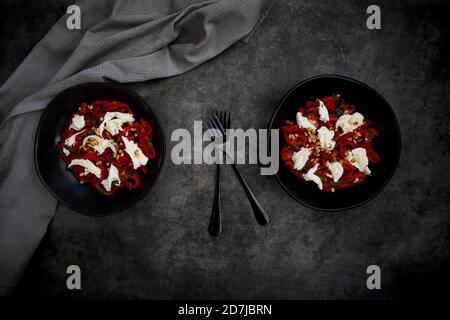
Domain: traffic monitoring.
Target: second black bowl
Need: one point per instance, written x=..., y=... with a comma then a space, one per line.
x=388, y=145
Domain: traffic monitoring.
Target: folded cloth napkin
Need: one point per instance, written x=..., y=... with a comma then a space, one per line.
x=119, y=40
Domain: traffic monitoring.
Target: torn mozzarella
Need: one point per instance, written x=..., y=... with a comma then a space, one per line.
x=336, y=169
x=77, y=122
x=88, y=166
x=113, y=122
x=358, y=158
x=310, y=176
x=135, y=153
x=100, y=144
x=300, y=158
x=113, y=177
x=66, y=152
x=323, y=112
x=304, y=122
x=326, y=138
x=349, y=122
x=71, y=140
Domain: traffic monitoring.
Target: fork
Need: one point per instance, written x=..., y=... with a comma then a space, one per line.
x=215, y=222
x=221, y=122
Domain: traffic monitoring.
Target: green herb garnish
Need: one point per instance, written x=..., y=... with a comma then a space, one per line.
x=339, y=111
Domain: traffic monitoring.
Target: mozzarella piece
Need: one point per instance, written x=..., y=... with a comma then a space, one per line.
x=101, y=144
x=66, y=152
x=113, y=176
x=71, y=140
x=304, y=122
x=135, y=153
x=323, y=112
x=310, y=176
x=336, y=169
x=88, y=166
x=300, y=158
x=349, y=122
x=358, y=158
x=113, y=122
x=326, y=138
x=77, y=123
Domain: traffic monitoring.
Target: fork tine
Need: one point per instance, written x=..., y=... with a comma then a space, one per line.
x=206, y=124
x=219, y=117
x=224, y=119
x=213, y=127
x=218, y=123
x=209, y=126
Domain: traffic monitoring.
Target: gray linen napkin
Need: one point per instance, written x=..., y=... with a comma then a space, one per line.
x=123, y=41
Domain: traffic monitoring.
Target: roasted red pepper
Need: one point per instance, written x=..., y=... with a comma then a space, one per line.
x=139, y=131
x=296, y=138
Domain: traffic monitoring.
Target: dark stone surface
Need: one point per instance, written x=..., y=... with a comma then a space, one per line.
x=160, y=249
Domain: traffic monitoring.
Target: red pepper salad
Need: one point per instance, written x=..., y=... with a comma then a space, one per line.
x=106, y=147
x=329, y=144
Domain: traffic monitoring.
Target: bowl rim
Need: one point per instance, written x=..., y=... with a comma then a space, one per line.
x=36, y=142
x=398, y=131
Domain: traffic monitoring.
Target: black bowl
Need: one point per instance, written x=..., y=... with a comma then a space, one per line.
x=51, y=168
x=388, y=145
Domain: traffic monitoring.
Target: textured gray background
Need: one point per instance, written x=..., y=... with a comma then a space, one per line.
x=161, y=248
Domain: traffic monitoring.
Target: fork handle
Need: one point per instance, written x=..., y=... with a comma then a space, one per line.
x=215, y=223
x=260, y=215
